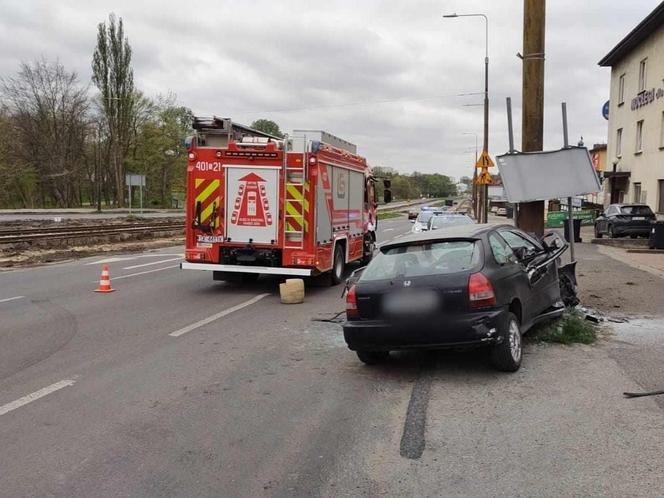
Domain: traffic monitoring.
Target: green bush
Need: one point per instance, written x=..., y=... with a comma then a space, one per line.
x=571, y=328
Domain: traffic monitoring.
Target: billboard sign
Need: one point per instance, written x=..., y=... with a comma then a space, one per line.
x=537, y=176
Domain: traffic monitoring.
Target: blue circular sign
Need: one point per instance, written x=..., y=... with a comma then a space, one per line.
x=605, y=110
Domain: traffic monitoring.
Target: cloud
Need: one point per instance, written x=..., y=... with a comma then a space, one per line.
x=385, y=75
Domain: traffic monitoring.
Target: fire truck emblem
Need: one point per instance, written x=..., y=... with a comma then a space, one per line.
x=251, y=207
x=341, y=186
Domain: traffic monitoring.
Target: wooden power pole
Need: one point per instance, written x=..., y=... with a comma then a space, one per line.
x=531, y=214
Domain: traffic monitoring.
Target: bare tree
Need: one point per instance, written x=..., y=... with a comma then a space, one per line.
x=113, y=76
x=48, y=109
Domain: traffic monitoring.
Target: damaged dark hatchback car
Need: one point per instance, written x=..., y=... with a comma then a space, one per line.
x=475, y=285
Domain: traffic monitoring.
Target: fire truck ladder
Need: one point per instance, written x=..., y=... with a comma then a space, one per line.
x=295, y=208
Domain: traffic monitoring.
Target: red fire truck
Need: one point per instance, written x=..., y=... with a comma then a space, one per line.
x=258, y=204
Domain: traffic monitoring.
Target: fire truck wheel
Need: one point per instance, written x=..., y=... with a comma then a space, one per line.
x=369, y=248
x=339, y=265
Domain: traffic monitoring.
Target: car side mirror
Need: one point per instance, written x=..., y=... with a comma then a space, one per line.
x=552, y=242
x=521, y=253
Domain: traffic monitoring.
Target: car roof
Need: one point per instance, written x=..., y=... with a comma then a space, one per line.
x=474, y=231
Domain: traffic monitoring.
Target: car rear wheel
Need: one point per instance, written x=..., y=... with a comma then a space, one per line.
x=372, y=357
x=507, y=355
x=598, y=234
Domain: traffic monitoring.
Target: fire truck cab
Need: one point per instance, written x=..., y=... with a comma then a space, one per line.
x=258, y=204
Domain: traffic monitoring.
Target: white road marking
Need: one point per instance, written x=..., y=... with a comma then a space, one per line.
x=11, y=299
x=129, y=258
x=110, y=260
x=217, y=316
x=35, y=396
x=388, y=229
x=141, y=273
x=152, y=263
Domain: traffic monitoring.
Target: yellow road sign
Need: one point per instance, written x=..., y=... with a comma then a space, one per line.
x=484, y=178
x=484, y=161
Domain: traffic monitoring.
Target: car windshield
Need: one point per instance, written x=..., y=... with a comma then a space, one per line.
x=638, y=210
x=448, y=221
x=424, y=216
x=425, y=258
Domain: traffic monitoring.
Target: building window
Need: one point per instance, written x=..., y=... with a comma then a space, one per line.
x=619, y=143
x=636, y=193
x=642, y=75
x=660, y=184
x=661, y=133
x=639, y=137
x=621, y=90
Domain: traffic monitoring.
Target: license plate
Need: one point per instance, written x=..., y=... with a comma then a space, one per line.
x=410, y=303
x=209, y=239
x=639, y=218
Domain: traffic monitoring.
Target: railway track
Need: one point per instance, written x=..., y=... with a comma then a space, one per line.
x=23, y=235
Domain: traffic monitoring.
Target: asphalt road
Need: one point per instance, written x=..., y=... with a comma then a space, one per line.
x=175, y=385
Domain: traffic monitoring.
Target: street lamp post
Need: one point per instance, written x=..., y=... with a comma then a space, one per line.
x=485, y=148
x=474, y=175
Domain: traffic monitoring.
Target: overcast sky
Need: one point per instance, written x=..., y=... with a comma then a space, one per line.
x=384, y=75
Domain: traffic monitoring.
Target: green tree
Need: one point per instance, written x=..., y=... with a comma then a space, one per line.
x=19, y=180
x=157, y=151
x=267, y=126
x=113, y=76
x=47, y=118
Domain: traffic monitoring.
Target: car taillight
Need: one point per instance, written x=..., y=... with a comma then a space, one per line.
x=480, y=291
x=351, y=304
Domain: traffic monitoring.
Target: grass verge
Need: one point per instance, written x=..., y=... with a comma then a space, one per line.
x=570, y=329
x=389, y=214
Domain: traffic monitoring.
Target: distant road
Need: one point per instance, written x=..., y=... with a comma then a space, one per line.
x=88, y=214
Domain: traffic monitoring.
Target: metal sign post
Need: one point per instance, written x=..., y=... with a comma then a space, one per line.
x=135, y=181
x=570, y=208
x=129, y=187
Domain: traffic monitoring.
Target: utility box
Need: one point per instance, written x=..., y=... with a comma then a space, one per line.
x=656, y=240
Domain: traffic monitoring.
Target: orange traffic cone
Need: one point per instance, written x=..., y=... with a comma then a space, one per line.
x=104, y=281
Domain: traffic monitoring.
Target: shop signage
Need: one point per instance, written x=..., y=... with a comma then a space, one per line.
x=556, y=219
x=646, y=97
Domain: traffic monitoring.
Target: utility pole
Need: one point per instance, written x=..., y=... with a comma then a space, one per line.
x=530, y=216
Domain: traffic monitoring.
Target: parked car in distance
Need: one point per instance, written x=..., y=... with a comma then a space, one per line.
x=494, y=209
x=420, y=224
x=501, y=212
x=446, y=220
x=624, y=219
x=471, y=285
x=412, y=213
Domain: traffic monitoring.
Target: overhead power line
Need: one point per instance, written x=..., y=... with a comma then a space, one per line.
x=358, y=104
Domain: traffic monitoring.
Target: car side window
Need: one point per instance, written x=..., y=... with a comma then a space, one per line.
x=514, y=240
x=502, y=253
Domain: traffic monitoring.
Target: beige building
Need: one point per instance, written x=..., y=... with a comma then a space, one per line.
x=635, y=152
